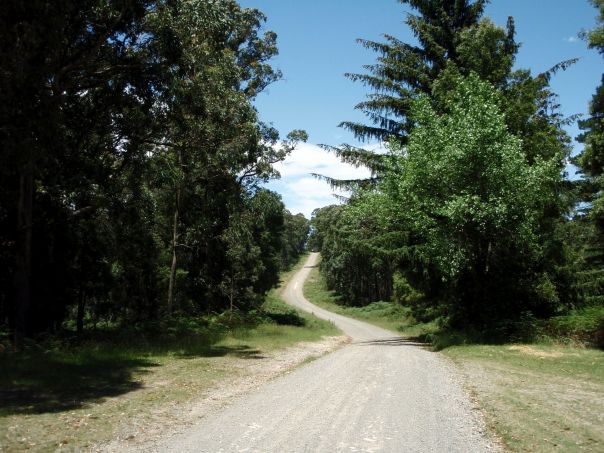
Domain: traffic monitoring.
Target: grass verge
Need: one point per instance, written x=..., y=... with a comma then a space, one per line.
x=56, y=397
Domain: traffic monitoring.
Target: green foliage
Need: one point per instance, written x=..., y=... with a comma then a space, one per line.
x=132, y=158
x=449, y=34
x=595, y=37
x=465, y=191
x=403, y=292
x=355, y=262
x=388, y=315
x=254, y=244
x=591, y=163
x=580, y=326
x=296, y=229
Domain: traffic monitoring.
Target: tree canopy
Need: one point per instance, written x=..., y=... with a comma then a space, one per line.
x=132, y=161
x=466, y=215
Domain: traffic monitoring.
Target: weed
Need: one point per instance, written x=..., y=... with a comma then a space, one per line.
x=585, y=325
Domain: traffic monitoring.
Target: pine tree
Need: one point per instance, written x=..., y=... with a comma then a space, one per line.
x=591, y=163
x=453, y=40
x=591, y=159
x=404, y=70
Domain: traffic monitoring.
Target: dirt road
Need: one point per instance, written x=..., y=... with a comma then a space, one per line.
x=379, y=394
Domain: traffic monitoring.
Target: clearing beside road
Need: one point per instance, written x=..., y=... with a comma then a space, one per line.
x=539, y=398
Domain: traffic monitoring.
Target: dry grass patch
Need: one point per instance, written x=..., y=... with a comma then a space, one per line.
x=538, y=398
x=532, y=351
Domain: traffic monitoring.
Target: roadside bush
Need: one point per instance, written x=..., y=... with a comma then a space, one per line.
x=585, y=325
x=289, y=317
x=599, y=335
x=403, y=292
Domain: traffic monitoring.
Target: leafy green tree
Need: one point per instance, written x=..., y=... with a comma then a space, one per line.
x=65, y=60
x=254, y=242
x=131, y=144
x=454, y=42
x=356, y=260
x=212, y=141
x=472, y=204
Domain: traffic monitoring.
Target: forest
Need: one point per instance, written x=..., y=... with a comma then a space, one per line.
x=133, y=162
x=160, y=291
x=132, y=184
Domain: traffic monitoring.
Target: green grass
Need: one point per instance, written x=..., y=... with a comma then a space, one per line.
x=581, y=326
x=387, y=315
x=60, y=394
x=268, y=336
x=538, y=398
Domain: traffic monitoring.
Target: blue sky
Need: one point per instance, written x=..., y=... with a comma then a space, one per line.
x=317, y=47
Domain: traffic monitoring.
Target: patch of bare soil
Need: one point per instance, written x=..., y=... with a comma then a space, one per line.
x=141, y=433
x=528, y=350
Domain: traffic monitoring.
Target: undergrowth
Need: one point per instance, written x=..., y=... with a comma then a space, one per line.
x=580, y=327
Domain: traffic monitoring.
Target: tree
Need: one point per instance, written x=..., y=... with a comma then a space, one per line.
x=294, y=238
x=591, y=163
x=472, y=204
x=454, y=42
x=62, y=60
x=208, y=124
x=130, y=145
x=591, y=159
x=448, y=32
x=212, y=141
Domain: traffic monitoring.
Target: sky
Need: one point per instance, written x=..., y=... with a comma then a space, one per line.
x=317, y=46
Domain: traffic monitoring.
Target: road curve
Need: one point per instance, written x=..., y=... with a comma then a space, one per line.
x=379, y=394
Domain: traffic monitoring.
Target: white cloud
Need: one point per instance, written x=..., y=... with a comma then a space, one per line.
x=308, y=158
x=303, y=193
x=571, y=39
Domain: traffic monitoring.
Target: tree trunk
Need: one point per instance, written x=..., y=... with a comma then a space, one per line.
x=172, y=281
x=174, y=259
x=23, y=255
x=232, y=299
x=80, y=316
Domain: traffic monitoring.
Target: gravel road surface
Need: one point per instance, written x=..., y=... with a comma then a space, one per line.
x=381, y=393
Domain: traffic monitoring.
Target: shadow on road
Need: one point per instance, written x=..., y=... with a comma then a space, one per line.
x=394, y=341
